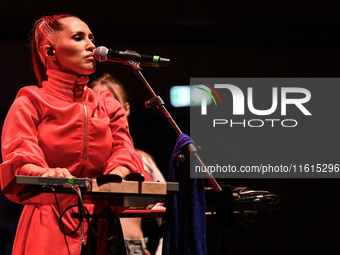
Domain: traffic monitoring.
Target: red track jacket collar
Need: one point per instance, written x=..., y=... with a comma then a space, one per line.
x=67, y=87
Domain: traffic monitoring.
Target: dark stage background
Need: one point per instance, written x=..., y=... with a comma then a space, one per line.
x=215, y=39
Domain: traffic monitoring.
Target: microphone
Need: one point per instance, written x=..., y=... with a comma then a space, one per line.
x=103, y=54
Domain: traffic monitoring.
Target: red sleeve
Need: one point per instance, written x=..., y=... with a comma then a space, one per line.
x=19, y=142
x=123, y=151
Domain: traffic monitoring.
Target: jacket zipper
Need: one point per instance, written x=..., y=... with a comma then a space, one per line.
x=82, y=244
x=85, y=113
x=85, y=136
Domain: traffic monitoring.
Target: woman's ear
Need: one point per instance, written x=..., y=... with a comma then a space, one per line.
x=127, y=109
x=49, y=50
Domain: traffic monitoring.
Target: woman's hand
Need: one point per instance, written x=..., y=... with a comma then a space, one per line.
x=33, y=170
x=122, y=171
x=57, y=172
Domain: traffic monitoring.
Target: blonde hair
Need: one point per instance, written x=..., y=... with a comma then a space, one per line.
x=106, y=79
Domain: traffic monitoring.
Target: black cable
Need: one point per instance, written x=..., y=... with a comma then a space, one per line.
x=62, y=225
x=96, y=233
x=83, y=213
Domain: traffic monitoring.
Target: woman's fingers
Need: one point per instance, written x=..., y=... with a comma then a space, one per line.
x=57, y=172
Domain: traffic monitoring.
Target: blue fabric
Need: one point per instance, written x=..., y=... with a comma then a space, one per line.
x=175, y=241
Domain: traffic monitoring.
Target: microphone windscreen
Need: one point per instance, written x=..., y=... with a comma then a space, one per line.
x=100, y=54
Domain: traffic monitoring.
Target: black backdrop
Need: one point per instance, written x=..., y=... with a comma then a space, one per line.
x=215, y=39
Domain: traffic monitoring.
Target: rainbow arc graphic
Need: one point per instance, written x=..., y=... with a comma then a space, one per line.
x=204, y=99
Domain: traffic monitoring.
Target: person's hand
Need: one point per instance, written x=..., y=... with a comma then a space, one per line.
x=57, y=172
x=33, y=170
x=122, y=171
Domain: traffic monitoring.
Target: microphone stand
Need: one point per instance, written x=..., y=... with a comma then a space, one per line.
x=156, y=101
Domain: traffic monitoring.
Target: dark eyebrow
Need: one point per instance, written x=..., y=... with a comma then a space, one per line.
x=78, y=32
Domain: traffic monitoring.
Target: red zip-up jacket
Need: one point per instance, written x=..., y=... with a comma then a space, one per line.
x=63, y=124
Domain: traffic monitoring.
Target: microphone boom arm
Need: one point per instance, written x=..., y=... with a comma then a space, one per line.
x=156, y=101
